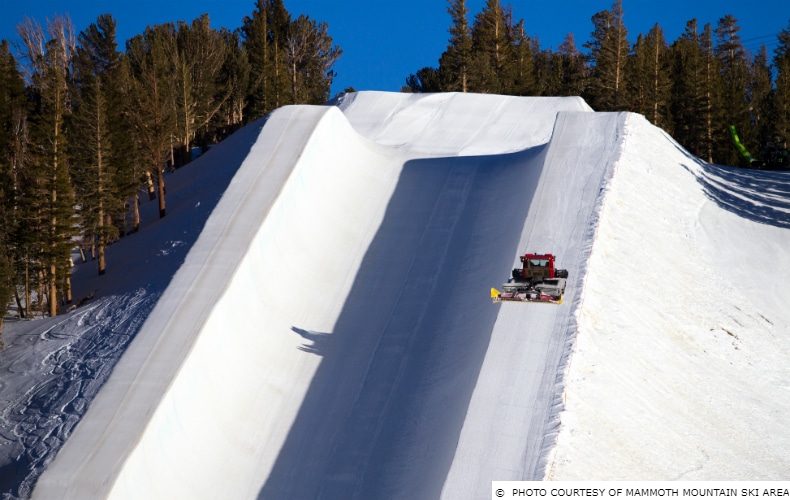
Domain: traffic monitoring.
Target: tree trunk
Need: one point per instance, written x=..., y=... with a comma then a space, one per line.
x=53, y=291
x=135, y=213
x=21, y=311
x=161, y=187
x=149, y=181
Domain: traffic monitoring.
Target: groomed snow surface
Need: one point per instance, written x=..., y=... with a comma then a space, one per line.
x=312, y=319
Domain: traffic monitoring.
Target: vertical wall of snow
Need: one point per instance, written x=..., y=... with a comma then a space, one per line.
x=218, y=366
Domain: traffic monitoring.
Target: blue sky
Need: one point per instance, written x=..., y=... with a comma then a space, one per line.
x=384, y=42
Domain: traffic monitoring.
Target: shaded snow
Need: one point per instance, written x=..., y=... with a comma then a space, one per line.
x=317, y=320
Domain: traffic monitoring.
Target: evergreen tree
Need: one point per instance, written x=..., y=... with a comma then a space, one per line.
x=688, y=89
x=571, y=68
x=609, y=51
x=781, y=101
x=12, y=121
x=48, y=191
x=199, y=58
x=490, y=49
x=234, y=79
x=425, y=80
x=648, y=77
x=711, y=103
x=457, y=59
x=265, y=34
x=522, y=78
x=309, y=57
x=92, y=144
x=126, y=151
x=153, y=112
x=759, y=96
x=731, y=58
x=547, y=66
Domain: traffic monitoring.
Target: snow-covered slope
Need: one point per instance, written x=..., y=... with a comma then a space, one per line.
x=329, y=333
x=318, y=312
x=681, y=363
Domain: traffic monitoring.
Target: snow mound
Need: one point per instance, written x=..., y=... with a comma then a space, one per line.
x=330, y=333
x=680, y=370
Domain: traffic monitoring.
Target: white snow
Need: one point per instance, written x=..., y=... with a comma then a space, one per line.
x=317, y=320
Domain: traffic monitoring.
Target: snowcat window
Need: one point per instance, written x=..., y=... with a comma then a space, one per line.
x=538, y=262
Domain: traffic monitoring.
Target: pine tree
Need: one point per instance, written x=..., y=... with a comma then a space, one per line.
x=309, y=58
x=48, y=190
x=199, y=59
x=265, y=34
x=648, y=77
x=548, y=69
x=687, y=89
x=781, y=101
x=571, y=68
x=457, y=59
x=490, y=50
x=609, y=49
x=731, y=57
x=12, y=120
x=425, y=80
x=93, y=166
x=759, y=96
x=150, y=59
x=522, y=78
x=234, y=80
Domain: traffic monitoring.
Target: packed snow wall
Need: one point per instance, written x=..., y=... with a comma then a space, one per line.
x=331, y=333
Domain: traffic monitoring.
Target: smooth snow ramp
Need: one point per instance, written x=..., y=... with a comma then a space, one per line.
x=512, y=419
x=330, y=333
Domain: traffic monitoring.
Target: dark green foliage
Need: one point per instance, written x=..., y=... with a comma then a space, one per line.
x=760, y=96
x=781, y=98
x=425, y=80
x=309, y=57
x=152, y=58
x=492, y=60
x=89, y=125
x=693, y=88
x=290, y=61
x=734, y=81
x=93, y=133
x=265, y=34
x=12, y=125
x=609, y=50
x=647, y=75
x=457, y=59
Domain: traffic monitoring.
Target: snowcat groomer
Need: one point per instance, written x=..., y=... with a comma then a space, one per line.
x=537, y=280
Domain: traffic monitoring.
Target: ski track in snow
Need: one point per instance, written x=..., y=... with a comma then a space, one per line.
x=33, y=426
x=54, y=367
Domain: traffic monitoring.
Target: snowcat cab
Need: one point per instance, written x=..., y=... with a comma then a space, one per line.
x=537, y=267
x=537, y=280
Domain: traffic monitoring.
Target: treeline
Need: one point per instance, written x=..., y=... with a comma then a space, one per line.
x=85, y=127
x=693, y=88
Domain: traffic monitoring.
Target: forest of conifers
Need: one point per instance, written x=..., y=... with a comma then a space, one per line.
x=693, y=88
x=87, y=126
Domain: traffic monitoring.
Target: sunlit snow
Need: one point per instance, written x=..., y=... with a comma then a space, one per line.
x=312, y=318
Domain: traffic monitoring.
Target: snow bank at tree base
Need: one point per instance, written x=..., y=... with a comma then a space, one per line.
x=330, y=332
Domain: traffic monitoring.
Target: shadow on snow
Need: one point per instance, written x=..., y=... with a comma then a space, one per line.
x=399, y=369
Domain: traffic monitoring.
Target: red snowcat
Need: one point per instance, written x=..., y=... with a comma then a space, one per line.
x=537, y=280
